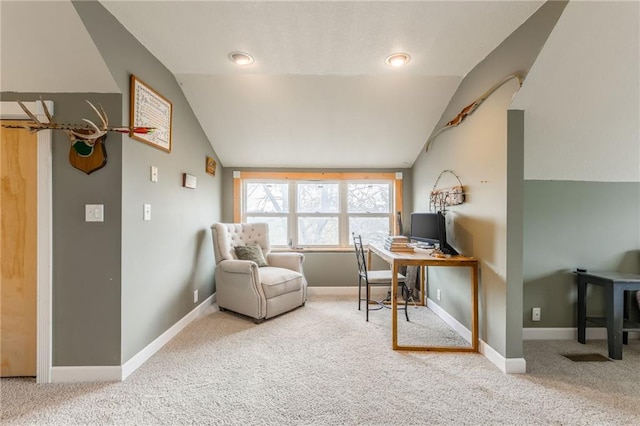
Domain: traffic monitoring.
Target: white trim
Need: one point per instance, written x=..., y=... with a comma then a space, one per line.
x=450, y=320
x=119, y=373
x=377, y=292
x=75, y=374
x=332, y=291
x=568, y=333
x=10, y=110
x=141, y=357
x=506, y=365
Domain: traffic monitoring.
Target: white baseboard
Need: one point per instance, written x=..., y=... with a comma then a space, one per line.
x=506, y=365
x=463, y=331
x=73, y=374
x=568, y=333
x=378, y=292
x=118, y=373
x=332, y=291
x=141, y=357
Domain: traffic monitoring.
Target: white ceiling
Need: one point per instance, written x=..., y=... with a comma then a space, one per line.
x=319, y=93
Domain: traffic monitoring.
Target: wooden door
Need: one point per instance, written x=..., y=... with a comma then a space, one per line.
x=18, y=232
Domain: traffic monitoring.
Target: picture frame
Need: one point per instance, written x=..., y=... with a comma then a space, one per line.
x=211, y=166
x=148, y=108
x=189, y=181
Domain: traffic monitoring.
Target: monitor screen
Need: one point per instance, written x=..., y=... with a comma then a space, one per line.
x=442, y=236
x=424, y=227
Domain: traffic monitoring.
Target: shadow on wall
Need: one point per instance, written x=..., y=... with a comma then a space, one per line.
x=630, y=262
x=557, y=295
x=468, y=230
x=191, y=283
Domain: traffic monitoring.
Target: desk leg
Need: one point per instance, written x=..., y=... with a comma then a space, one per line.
x=394, y=305
x=474, y=308
x=582, y=309
x=615, y=306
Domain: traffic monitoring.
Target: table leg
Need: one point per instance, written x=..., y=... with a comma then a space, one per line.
x=394, y=305
x=474, y=308
x=615, y=306
x=582, y=309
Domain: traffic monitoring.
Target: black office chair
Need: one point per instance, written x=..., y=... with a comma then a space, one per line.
x=376, y=278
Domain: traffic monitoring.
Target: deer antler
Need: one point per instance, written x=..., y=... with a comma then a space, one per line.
x=89, y=132
x=98, y=131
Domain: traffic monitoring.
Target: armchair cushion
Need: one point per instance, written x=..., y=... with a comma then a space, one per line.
x=253, y=253
x=279, y=281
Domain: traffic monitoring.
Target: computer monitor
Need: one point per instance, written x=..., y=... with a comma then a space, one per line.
x=424, y=228
x=442, y=236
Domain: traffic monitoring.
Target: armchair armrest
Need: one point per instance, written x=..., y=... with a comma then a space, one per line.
x=238, y=266
x=291, y=261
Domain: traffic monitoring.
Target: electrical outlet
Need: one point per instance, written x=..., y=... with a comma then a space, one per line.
x=146, y=215
x=535, y=314
x=195, y=296
x=154, y=174
x=438, y=294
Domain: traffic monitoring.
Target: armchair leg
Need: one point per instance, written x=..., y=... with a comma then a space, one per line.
x=258, y=320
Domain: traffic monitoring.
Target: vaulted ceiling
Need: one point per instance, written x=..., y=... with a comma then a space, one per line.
x=319, y=93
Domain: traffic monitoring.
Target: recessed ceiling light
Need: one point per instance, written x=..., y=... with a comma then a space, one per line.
x=398, y=59
x=240, y=58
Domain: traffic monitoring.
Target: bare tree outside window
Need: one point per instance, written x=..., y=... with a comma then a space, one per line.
x=320, y=213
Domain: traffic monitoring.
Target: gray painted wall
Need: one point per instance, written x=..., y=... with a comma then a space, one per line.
x=163, y=260
x=582, y=163
x=86, y=255
x=571, y=224
x=477, y=151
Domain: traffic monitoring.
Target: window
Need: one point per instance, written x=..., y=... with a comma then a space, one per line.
x=319, y=210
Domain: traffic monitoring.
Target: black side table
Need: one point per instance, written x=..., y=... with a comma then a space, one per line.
x=614, y=284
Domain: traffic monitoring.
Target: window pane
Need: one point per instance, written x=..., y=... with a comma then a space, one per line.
x=277, y=228
x=372, y=229
x=267, y=197
x=369, y=197
x=318, y=231
x=318, y=198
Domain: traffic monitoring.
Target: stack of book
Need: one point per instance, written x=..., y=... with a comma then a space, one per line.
x=397, y=243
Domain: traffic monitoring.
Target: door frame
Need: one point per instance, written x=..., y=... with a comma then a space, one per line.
x=12, y=111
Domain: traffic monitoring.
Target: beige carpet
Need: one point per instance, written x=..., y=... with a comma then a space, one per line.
x=323, y=365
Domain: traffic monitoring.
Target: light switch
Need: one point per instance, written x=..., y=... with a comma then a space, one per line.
x=94, y=212
x=147, y=212
x=154, y=174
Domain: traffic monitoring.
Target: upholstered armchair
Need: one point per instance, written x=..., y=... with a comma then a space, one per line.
x=243, y=286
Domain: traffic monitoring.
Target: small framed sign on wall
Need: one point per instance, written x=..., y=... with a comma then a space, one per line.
x=149, y=108
x=211, y=166
x=188, y=181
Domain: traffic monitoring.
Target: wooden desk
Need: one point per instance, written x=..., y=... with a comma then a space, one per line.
x=424, y=258
x=614, y=284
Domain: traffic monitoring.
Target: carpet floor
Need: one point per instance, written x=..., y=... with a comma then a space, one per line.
x=323, y=364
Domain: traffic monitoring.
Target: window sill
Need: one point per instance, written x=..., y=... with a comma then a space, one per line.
x=312, y=250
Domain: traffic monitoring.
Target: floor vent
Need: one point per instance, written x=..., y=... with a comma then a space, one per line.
x=586, y=357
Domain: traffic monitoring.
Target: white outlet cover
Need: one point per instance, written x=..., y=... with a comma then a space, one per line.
x=94, y=212
x=146, y=212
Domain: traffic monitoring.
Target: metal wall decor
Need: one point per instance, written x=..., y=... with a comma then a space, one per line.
x=441, y=198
